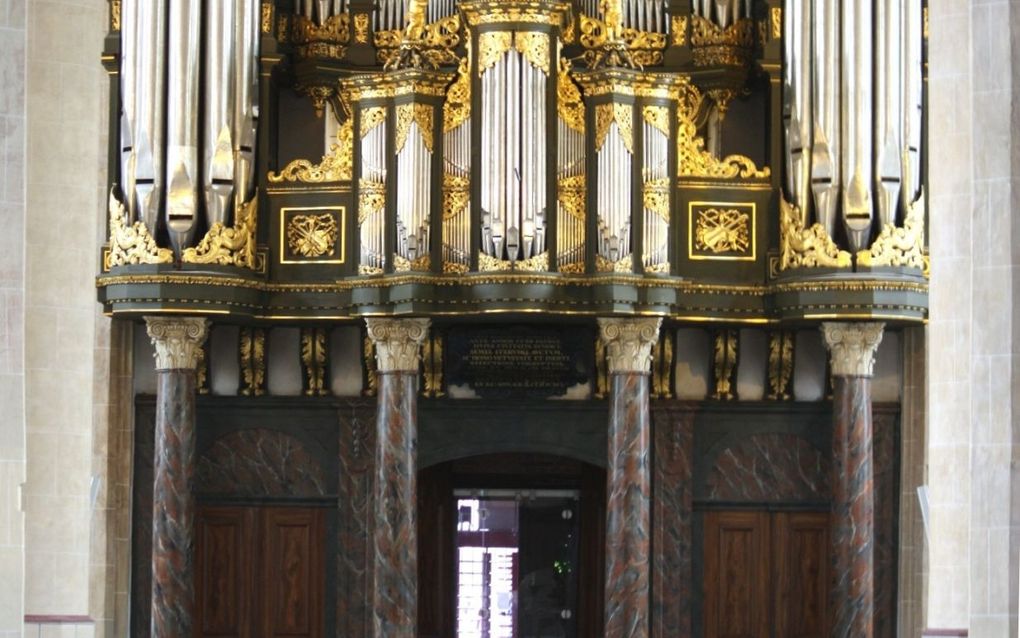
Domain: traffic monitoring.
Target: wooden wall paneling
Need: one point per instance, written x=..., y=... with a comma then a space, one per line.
x=223, y=579
x=293, y=579
x=800, y=574
x=736, y=576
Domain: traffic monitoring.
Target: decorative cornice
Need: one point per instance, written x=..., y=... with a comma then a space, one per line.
x=178, y=341
x=629, y=343
x=398, y=343
x=852, y=347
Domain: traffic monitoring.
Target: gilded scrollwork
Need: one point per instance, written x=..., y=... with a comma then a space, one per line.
x=722, y=230
x=623, y=115
x=678, y=29
x=371, y=198
x=131, y=243
x=801, y=247
x=569, y=104
x=419, y=44
x=538, y=263
x=693, y=160
x=571, y=193
x=372, y=117
x=657, y=117
x=252, y=354
x=457, y=107
x=780, y=365
x=335, y=166
x=403, y=264
x=315, y=361
x=456, y=195
x=713, y=45
x=622, y=266
x=229, y=246
x=776, y=15
x=328, y=40
x=312, y=235
x=491, y=47
x=479, y=12
x=361, y=28
x=534, y=46
x=267, y=17
x=656, y=197
x=899, y=246
x=724, y=371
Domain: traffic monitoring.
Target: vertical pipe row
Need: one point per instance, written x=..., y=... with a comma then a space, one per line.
x=912, y=106
x=148, y=140
x=182, y=121
x=826, y=97
x=857, y=122
x=217, y=133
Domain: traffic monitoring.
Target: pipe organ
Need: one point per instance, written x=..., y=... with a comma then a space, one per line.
x=501, y=155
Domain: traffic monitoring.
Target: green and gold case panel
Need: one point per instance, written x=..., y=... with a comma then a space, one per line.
x=721, y=232
x=311, y=234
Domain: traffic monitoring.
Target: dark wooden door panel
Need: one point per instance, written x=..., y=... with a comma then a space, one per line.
x=736, y=575
x=222, y=577
x=801, y=554
x=291, y=590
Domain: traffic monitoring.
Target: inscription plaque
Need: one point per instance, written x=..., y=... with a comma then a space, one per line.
x=519, y=361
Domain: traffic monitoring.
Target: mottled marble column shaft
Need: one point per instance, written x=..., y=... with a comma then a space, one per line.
x=628, y=508
x=852, y=348
x=394, y=531
x=853, y=509
x=629, y=489
x=173, y=505
x=395, y=540
x=177, y=343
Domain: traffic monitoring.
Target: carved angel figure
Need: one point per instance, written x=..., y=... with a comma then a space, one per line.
x=415, y=29
x=612, y=15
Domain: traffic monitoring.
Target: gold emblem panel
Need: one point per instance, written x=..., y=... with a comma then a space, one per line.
x=722, y=231
x=313, y=235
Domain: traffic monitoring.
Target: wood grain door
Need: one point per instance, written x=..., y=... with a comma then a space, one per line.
x=766, y=575
x=260, y=572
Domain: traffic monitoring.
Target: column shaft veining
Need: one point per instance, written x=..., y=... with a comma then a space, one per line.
x=852, y=348
x=177, y=343
x=395, y=534
x=628, y=508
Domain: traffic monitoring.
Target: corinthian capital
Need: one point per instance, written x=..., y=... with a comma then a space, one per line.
x=852, y=347
x=629, y=343
x=397, y=343
x=178, y=341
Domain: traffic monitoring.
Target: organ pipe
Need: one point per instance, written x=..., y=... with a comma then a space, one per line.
x=149, y=42
x=217, y=129
x=912, y=101
x=182, y=121
x=825, y=165
x=857, y=122
x=246, y=96
x=128, y=67
x=888, y=113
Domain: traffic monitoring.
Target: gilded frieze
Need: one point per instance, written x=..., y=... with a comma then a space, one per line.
x=229, y=246
x=713, y=45
x=328, y=40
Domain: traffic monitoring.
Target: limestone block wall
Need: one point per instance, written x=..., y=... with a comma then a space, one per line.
x=12, y=301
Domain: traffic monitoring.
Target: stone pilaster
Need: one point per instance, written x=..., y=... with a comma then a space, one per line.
x=394, y=537
x=852, y=349
x=629, y=345
x=178, y=345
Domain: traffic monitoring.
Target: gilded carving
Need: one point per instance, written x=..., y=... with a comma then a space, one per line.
x=229, y=246
x=361, y=28
x=420, y=114
x=569, y=103
x=629, y=343
x=456, y=195
x=131, y=244
x=601, y=369
x=852, y=347
x=432, y=370
x=405, y=115
x=724, y=371
x=371, y=198
x=403, y=264
x=656, y=197
x=801, y=247
x=622, y=265
x=571, y=194
x=202, y=369
x=693, y=160
x=312, y=235
x=419, y=44
x=897, y=246
x=267, y=17
x=662, y=367
x=491, y=47
x=457, y=106
x=335, y=166
x=503, y=12
x=371, y=375
x=678, y=29
x=722, y=230
x=252, y=354
x=713, y=45
x=115, y=15
x=777, y=22
x=177, y=341
x=608, y=44
x=623, y=115
x=780, y=365
x=537, y=263
x=657, y=117
x=372, y=117
x=315, y=361
x=327, y=40
x=398, y=343
x=534, y=46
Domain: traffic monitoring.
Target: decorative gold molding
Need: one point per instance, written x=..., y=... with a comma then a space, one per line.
x=780, y=365
x=432, y=370
x=361, y=21
x=801, y=247
x=115, y=15
x=328, y=40
x=714, y=46
x=491, y=47
x=252, y=354
x=403, y=264
x=371, y=117
x=693, y=160
x=369, y=372
x=722, y=230
x=335, y=166
x=479, y=12
x=233, y=246
x=897, y=246
x=267, y=18
x=537, y=263
x=131, y=244
x=724, y=371
x=315, y=361
x=569, y=103
x=776, y=14
x=678, y=29
x=620, y=266
x=457, y=106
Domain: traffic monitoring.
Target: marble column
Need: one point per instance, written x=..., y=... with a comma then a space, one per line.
x=852, y=350
x=394, y=535
x=628, y=492
x=178, y=345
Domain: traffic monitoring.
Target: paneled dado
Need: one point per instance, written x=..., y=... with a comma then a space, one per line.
x=707, y=456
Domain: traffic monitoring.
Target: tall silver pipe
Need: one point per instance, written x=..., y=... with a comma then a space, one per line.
x=825, y=152
x=912, y=106
x=857, y=122
x=182, y=121
x=888, y=115
x=128, y=85
x=217, y=134
x=246, y=96
x=148, y=139
x=797, y=101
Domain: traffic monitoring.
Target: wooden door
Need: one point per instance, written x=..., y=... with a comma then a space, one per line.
x=259, y=572
x=766, y=575
x=736, y=575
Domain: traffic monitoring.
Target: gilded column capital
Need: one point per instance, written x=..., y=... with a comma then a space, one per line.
x=398, y=342
x=177, y=340
x=629, y=343
x=852, y=347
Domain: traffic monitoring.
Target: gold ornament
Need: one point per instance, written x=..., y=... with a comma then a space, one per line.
x=899, y=246
x=725, y=369
x=692, y=158
x=131, y=244
x=656, y=197
x=252, y=351
x=371, y=198
x=312, y=235
x=571, y=193
x=719, y=230
x=456, y=195
x=801, y=247
x=457, y=107
x=491, y=47
x=569, y=104
x=678, y=29
x=534, y=46
x=714, y=46
x=780, y=365
x=234, y=246
x=315, y=361
x=371, y=118
x=361, y=28
x=336, y=165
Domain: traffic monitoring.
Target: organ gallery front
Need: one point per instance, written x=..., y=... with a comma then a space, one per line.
x=516, y=318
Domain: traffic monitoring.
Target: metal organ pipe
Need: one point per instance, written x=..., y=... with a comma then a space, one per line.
x=797, y=100
x=246, y=96
x=912, y=101
x=825, y=164
x=182, y=121
x=217, y=133
x=128, y=68
x=888, y=116
x=857, y=122
x=148, y=141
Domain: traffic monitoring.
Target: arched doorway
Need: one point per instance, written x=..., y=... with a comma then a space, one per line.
x=511, y=545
